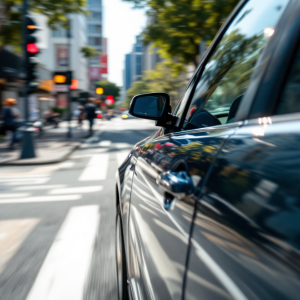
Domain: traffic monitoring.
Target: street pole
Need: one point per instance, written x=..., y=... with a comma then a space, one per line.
x=27, y=139
x=69, y=134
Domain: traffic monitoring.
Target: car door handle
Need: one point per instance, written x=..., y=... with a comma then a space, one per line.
x=175, y=184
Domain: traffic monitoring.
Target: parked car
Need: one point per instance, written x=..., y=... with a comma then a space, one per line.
x=208, y=207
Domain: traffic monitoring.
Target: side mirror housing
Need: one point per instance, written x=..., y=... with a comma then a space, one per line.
x=153, y=106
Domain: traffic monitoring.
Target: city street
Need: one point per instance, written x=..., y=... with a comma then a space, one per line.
x=57, y=221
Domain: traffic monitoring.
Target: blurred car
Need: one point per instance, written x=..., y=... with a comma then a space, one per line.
x=208, y=206
x=126, y=115
x=99, y=114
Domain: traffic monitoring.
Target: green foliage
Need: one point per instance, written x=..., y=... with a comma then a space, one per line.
x=89, y=51
x=162, y=79
x=55, y=10
x=138, y=87
x=180, y=25
x=109, y=88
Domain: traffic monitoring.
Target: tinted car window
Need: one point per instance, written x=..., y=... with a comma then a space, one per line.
x=228, y=71
x=290, y=99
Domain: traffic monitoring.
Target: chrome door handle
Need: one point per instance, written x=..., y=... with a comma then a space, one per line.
x=177, y=184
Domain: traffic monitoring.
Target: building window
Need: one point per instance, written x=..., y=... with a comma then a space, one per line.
x=138, y=49
x=61, y=31
x=94, y=28
x=95, y=15
x=94, y=2
x=94, y=41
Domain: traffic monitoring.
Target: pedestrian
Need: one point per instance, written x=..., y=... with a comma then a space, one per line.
x=9, y=116
x=90, y=114
x=80, y=115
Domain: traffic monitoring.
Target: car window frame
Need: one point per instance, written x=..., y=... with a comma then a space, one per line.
x=268, y=80
x=208, y=53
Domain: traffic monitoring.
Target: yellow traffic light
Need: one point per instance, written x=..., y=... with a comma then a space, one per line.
x=99, y=90
x=60, y=79
x=31, y=27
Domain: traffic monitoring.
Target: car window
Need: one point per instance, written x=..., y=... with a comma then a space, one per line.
x=226, y=75
x=290, y=98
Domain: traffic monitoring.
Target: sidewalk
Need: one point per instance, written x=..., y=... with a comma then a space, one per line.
x=52, y=146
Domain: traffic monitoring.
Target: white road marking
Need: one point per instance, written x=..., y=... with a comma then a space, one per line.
x=121, y=156
x=77, y=190
x=64, y=272
x=96, y=168
x=104, y=143
x=41, y=199
x=39, y=187
x=122, y=145
x=13, y=195
x=26, y=182
x=21, y=179
x=12, y=235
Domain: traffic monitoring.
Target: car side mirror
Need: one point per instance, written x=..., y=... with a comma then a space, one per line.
x=153, y=106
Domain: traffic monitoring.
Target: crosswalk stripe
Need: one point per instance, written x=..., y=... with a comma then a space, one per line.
x=77, y=190
x=39, y=187
x=64, y=272
x=13, y=195
x=26, y=182
x=96, y=168
x=121, y=156
x=104, y=143
x=40, y=199
x=12, y=235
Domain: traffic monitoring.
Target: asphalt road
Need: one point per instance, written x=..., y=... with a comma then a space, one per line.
x=57, y=222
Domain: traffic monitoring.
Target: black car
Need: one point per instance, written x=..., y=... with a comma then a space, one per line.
x=208, y=207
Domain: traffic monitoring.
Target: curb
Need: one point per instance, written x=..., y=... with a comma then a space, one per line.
x=25, y=162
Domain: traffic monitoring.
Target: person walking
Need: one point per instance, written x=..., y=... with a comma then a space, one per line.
x=9, y=116
x=80, y=115
x=90, y=114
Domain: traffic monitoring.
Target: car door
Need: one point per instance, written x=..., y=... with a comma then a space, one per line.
x=245, y=240
x=158, y=235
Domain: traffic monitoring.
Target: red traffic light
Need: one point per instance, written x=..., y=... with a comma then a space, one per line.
x=32, y=48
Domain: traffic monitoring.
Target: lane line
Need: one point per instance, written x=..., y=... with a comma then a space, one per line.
x=41, y=199
x=96, y=168
x=65, y=270
x=77, y=190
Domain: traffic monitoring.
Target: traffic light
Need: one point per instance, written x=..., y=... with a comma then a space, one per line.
x=62, y=77
x=99, y=91
x=31, y=51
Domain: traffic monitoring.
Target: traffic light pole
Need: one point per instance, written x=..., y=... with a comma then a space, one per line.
x=69, y=134
x=27, y=140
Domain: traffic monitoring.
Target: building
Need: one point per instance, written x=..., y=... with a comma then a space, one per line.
x=98, y=63
x=133, y=64
x=60, y=51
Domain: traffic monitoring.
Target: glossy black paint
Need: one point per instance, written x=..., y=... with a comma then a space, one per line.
x=248, y=218
x=236, y=234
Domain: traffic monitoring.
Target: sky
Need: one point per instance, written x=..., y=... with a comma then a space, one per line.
x=121, y=24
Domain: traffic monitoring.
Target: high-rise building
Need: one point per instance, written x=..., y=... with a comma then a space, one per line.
x=134, y=64
x=98, y=63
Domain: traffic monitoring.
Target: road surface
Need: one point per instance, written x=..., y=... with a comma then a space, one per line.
x=57, y=221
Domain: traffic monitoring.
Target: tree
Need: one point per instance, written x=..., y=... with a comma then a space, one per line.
x=55, y=11
x=109, y=88
x=89, y=51
x=138, y=87
x=162, y=79
x=180, y=25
